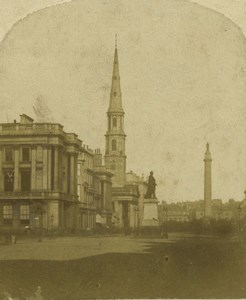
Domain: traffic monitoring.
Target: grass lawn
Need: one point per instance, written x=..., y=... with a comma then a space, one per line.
x=187, y=268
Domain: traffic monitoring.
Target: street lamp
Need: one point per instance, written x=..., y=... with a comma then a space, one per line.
x=38, y=226
x=165, y=219
x=52, y=224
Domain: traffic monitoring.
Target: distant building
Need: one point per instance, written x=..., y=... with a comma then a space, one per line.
x=88, y=189
x=141, y=184
x=104, y=207
x=194, y=210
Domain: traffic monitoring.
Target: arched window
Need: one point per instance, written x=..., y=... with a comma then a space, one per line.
x=114, y=122
x=113, y=145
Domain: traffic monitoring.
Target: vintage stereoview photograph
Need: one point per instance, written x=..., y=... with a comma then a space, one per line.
x=122, y=149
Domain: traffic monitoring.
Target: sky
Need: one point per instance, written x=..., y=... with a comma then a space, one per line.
x=182, y=72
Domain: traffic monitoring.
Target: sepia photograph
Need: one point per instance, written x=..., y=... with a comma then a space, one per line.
x=122, y=149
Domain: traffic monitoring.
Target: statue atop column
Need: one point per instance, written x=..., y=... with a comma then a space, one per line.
x=151, y=187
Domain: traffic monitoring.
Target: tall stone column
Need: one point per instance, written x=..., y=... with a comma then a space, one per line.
x=132, y=215
x=33, y=166
x=207, y=183
x=16, y=169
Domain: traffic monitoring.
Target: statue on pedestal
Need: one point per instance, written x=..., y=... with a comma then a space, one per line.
x=151, y=187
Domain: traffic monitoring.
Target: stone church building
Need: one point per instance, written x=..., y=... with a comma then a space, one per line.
x=125, y=194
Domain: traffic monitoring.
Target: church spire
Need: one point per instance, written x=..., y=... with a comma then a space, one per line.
x=115, y=104
x=115, y=157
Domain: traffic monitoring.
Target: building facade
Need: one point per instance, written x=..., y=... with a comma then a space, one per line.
x=94, y=190
x=38, y=175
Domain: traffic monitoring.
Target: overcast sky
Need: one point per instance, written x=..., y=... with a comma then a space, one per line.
x=182, y=75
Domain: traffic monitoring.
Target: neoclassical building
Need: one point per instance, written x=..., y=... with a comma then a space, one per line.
x=38, y=175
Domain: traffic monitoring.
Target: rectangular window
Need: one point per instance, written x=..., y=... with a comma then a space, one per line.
x=9, y=181
x=9, y=154
x=7, y=214
x=24, y=214
x=25, y=180
x=25, y=154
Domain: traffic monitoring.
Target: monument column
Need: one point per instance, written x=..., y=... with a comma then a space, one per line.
x=207, y=182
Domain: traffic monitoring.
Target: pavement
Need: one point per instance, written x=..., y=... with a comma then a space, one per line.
x=182, y=266
x=69, y=248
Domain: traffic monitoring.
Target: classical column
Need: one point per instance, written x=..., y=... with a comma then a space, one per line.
x=45, y=167
x=49, y=168
x=72, y=170
x=16, y=169
x=1, y=171
x=75, y=173
x=56, y=168
x=33, y=166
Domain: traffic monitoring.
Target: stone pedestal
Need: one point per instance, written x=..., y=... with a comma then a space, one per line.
x=150, y=213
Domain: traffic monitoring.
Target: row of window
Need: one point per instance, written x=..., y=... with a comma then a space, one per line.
x=24, y=213
x=9, y=154
x=25, y=182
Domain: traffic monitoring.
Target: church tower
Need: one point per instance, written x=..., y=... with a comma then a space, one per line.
x=115, y=158
x=207, y=183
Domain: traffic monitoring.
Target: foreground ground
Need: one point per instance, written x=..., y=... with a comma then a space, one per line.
x=123, y=267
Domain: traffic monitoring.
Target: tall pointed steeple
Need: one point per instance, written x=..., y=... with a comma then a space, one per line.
x=115, y=104
x=115, y=158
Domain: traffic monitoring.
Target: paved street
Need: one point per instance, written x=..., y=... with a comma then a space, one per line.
x=184, y=266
